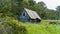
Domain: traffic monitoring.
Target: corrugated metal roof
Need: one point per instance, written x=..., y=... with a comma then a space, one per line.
x=32, y=14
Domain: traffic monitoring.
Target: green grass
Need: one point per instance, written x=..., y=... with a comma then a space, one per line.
x=42, y=28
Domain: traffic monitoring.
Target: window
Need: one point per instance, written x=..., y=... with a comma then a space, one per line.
x=23, y=14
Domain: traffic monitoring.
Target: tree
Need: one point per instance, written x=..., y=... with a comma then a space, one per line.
x=58, y=12
x=42, y=7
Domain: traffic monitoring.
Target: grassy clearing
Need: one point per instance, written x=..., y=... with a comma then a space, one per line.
x=42, y=28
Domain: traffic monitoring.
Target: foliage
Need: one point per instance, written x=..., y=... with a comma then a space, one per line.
x=13, y=8
x=12, y=26
x=9, y=26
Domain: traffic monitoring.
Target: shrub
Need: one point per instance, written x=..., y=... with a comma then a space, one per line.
x=12, y=26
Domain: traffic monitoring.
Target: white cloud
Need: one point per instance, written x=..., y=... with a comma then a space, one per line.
x=51, y=4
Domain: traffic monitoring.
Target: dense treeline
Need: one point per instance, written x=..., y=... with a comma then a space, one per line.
x=13, y=8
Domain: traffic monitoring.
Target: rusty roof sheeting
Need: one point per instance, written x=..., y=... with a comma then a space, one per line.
x=32, y=14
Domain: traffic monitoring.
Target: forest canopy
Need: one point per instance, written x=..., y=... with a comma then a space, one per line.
x=13, y=8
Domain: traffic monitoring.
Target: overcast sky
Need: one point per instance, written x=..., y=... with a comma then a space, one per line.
x=51, y=4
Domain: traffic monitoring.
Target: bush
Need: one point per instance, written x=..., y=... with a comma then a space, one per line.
x=12, y=26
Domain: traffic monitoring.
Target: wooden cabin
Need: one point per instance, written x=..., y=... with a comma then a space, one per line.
x=28, y=15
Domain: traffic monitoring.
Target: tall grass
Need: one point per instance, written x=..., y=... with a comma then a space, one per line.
x=42, y=28
x=32, y=28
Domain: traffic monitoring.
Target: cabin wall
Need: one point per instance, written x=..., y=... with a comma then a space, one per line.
x=35, y=20
x=24, y=18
